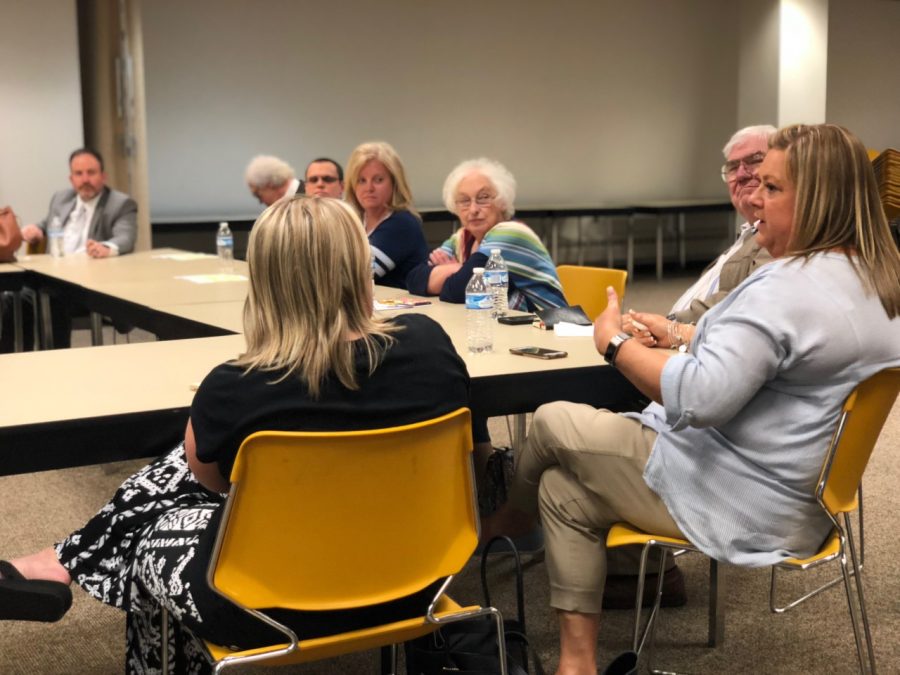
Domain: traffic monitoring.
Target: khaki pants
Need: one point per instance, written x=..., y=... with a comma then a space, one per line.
x=583, y=469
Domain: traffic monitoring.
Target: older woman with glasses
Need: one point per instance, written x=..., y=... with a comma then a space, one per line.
x=377, y=189
x=481, y=192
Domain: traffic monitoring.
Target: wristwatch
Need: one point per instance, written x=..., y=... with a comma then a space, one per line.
x=612, y=349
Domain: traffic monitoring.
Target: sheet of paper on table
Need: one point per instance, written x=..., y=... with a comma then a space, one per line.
x=564, y=329
x=182, y=257
x=400, y=303
x=212, y=278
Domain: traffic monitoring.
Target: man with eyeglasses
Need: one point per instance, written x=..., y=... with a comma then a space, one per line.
x=270, y=179
x=744, y=152
x=324, y=178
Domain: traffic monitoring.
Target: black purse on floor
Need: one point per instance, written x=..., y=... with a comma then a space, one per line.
x=470, y=647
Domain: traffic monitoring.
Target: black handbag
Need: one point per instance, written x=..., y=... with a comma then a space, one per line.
x=470, y=647
x=498, y=475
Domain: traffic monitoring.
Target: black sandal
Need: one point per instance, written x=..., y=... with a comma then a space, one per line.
x=24, y=599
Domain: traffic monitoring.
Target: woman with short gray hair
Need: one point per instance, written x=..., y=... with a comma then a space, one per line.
x=481, y=193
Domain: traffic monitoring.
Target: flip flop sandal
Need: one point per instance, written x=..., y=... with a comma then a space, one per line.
x=24, y=599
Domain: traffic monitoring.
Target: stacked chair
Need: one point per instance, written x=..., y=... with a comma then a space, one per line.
x=887, y=174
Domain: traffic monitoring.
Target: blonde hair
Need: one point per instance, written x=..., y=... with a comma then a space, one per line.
x=310, y=293
x=838, y=205
x=401, y=199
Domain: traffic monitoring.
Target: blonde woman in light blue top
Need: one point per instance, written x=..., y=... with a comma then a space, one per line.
x=729, y=451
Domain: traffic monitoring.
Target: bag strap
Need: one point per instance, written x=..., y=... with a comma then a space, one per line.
x=520, y=584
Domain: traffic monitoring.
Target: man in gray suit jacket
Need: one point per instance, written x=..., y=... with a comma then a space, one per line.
x=96, y=220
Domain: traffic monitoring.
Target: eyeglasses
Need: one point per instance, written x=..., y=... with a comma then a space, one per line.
x=484, y=199
x=322, y=179
x=750, y=162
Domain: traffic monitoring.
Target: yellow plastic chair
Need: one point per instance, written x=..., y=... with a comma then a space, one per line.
x=327, y=521
x=586, y=286
x=862, y=418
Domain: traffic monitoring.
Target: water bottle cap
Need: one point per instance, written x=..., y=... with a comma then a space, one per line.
x=495, y=250
x=478, y=270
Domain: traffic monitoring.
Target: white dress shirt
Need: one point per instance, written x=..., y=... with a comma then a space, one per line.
x=75, y=231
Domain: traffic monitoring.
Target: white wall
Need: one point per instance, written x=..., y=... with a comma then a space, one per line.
x=40, y=91
x=584, y=100
x=864, y=69
x=803, y=61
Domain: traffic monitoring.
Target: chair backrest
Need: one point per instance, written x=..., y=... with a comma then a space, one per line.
x=586, y=286
x=863, y=416
x=321, y=521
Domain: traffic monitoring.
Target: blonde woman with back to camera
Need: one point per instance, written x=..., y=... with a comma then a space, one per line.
x=316, y=359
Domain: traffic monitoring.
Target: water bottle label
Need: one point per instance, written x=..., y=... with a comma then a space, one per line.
x=225, y=241
x=479, y=301
x=496, y=277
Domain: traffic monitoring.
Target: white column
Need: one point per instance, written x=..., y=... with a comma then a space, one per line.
x=783, y=58
x=803, y=61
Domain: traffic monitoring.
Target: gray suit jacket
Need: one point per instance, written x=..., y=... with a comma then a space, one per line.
x=115, y=218
x=742, y=263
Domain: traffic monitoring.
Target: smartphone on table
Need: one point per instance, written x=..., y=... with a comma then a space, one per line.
x=517, y=319
x=538, y=352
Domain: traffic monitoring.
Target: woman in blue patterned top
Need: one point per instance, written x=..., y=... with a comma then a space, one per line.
x=481, y=192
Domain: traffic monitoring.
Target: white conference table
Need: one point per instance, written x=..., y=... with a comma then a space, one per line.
x=79, y=406
x=131, y=287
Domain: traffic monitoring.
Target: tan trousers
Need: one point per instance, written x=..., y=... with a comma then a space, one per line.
x=583, y=469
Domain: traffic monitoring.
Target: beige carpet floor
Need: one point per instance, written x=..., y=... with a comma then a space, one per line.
x=39, y=508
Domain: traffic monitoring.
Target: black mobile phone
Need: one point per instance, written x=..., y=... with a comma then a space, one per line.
x=538, y=352
x=517, y=320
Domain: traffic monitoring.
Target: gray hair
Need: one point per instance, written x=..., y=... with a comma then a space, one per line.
x=494, y=171
x=268, y=171
x=764, y=131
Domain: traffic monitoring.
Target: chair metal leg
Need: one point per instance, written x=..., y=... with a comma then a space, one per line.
x=716, y=596
x=388, y=660
x=834, y=582
x=96, y=329
x=164, y=640
x=46, y=321
x=861, y=598
x=18, y=333
x=501, y=641
x=519, y=432
x=862, y=532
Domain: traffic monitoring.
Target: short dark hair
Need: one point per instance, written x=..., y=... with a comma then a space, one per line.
x=340, y=169
x=87, y=151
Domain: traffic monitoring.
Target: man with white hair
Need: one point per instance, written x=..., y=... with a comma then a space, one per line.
x=270, y=179
x=744, y=152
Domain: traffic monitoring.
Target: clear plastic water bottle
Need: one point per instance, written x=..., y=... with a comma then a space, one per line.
x=55, y=237
x=479, y=306
x=225, y=245
x=497, y=278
